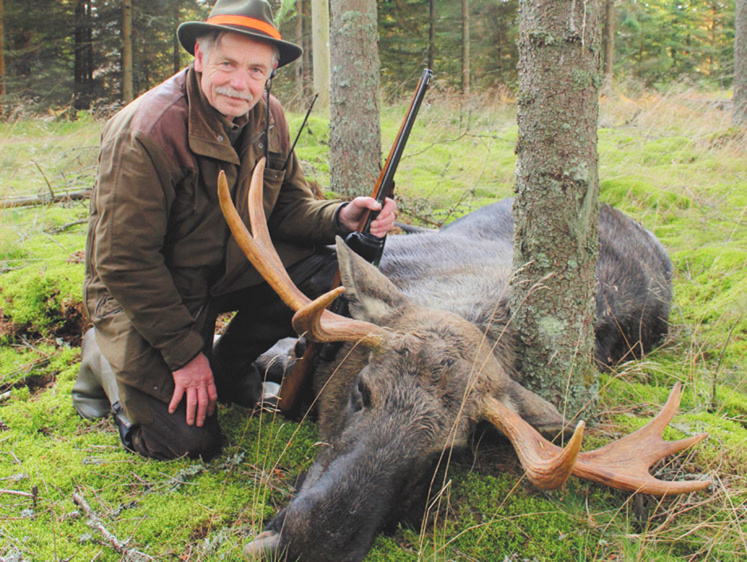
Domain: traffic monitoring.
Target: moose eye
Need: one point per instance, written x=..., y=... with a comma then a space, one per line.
x=360, y=396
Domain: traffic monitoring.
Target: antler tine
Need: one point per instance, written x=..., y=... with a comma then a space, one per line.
x=310, y=316
x=625, y=463
x=327, y=326
x=547, y=465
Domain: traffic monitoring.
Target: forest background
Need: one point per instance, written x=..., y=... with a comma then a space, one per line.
x=68, y=53
x=668, y=156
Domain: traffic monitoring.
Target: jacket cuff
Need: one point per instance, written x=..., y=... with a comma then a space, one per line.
x=341, y=229
x=182, y=352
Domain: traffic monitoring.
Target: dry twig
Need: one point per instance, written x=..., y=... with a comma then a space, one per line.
x=95, y=523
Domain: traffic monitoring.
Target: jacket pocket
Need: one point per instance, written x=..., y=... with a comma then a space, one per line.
x=106, y=307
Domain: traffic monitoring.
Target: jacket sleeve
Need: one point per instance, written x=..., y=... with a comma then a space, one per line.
x=298, y=216
x=134, y=194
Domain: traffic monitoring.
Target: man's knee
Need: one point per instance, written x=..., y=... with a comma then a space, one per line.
x=169, y=437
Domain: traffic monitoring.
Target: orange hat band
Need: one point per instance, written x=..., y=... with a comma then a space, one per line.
x=244, y=21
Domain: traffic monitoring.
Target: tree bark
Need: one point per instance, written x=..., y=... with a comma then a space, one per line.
x=176, y=47
x=431, y=32
x=465, y=47
x=299, y=68
x=609, y=41
x=320, y=45
x=83, y=55
x=127, y=88
x=739, y=111
x=354, y=131
x=308, y=78
x=2, y=53
x=556, y=207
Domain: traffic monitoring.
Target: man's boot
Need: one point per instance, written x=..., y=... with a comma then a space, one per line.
x=95, y=393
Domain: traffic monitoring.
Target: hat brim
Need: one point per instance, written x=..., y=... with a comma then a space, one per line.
x=189, y=31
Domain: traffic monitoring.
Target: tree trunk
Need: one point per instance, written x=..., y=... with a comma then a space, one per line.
x=320, y=44
x=127, y=90
x=177, y=48
x=83, y=55
x=739, y=111
x=609, y=42
x=308, y=78
x=556, y=206
x=465, y=47
x=354, y=132
x=299, y=69
x=2, y=54
x=431, y=32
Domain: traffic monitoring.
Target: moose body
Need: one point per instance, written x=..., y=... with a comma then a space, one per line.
x=433, y=355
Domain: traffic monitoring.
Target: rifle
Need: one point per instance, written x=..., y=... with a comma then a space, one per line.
x=361, y=241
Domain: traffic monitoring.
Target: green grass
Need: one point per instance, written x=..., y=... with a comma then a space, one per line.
x=672, y=162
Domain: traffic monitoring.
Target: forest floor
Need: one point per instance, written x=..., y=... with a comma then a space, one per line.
x=673, y=162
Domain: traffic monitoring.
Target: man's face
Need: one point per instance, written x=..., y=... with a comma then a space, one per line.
x=234, y=72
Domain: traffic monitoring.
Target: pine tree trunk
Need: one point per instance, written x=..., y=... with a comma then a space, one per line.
x=176, y=47
x=739, y=112
x=556, y=206
x=82, y=61
x=127, y=90
x=431, y=32
x=609, y=41
x=320, y=44
x=308, y=78
x=2, y=53
x=354, y=132
x=465, y=47
x=299, y=67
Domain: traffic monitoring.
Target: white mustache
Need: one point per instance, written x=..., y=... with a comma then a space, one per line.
x=230, y=92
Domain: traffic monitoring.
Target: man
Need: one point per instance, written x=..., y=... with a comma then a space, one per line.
x=160, y=261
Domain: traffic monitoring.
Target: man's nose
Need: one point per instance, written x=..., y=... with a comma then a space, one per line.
x=240, y=81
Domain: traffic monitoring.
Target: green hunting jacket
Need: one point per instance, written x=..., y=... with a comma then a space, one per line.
x=158, y=246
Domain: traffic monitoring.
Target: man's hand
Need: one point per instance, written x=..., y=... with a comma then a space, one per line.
x=195, y=380
x=351, y=214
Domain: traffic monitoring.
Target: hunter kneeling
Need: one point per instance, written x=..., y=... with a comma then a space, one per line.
x=160, y=263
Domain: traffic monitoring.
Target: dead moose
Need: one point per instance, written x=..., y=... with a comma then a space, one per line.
x=428, y=355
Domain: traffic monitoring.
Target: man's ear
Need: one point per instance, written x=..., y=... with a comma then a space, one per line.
x=199, y=56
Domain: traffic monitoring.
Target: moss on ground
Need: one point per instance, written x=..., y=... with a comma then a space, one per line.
x=677, y=167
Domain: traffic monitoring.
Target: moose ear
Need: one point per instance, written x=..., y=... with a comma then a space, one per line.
x=370, y=295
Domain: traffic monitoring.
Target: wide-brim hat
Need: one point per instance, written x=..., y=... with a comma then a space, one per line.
x=248, y=17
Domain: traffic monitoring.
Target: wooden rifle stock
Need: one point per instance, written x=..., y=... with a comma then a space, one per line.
x=361, y=241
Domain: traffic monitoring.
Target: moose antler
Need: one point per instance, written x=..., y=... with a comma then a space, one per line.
x=623, y=464
x=311, y=317
x=547, y=465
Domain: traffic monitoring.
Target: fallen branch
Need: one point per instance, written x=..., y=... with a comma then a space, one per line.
x=95, y=523
x=45, y=199
x=65, y=226
x=34, y=494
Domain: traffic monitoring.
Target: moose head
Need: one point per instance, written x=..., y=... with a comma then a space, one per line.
x=413, y=383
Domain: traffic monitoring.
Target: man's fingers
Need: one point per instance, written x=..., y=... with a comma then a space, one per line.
x=202, y=405
x=212, y=392
x=191, y=405
x=176, y=398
